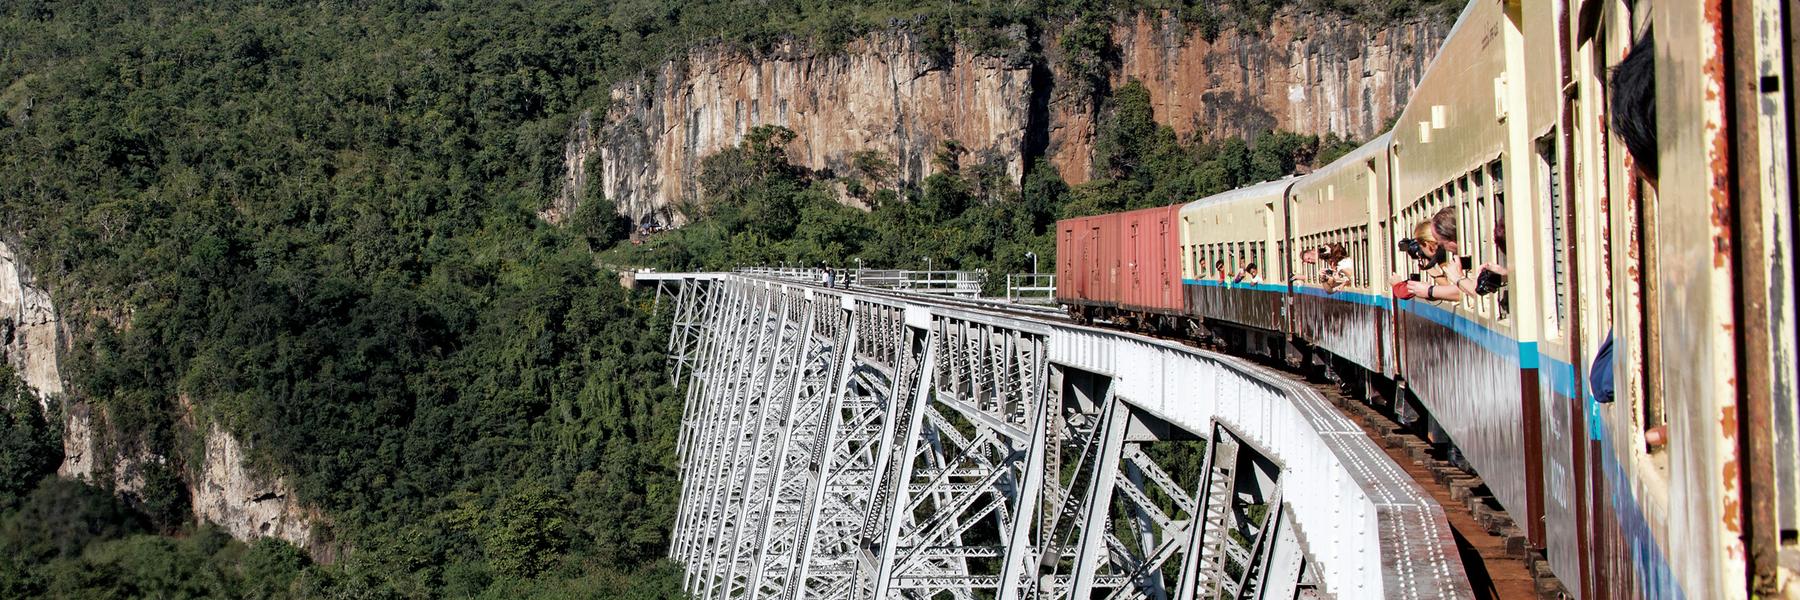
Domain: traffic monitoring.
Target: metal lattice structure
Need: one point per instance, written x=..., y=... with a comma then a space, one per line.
x=842, y=444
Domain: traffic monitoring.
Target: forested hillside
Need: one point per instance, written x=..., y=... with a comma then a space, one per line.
x=314, y=224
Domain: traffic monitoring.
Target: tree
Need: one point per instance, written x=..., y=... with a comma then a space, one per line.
x=30, y=446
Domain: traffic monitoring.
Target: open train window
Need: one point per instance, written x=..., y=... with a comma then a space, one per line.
x=1497, y=191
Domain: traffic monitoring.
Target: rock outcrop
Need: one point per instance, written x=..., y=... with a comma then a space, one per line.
x=1307, y=73
x=226, y=493
x=884, y=93
x=29, y=328
x=222, y=489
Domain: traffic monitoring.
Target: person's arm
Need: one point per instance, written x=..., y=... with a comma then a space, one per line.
x=1438, y=289
x=1433, y=291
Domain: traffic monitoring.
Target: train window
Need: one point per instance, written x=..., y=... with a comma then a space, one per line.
x=1497, y=189
x=1552, y=211
x=1273, y=271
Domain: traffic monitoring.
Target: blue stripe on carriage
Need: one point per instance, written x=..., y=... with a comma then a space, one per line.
x=1499, y=343
x=1646, y=554
x=1560, y=374
x=1260, y=287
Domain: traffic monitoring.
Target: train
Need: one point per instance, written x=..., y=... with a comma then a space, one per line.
x=1680, y=284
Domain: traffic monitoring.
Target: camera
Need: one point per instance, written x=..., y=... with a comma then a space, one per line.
x=1412, y=247
x=1489, y=282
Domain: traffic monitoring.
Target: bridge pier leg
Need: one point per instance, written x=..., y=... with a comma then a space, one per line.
x=1091, y=552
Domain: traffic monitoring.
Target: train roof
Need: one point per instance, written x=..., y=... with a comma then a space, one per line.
x=1253, y=192
x=1354, y=159
x=1462, y=19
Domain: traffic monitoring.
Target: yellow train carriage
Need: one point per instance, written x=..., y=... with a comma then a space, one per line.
x=1683, y=486
x=1221, y=236
x=1453, y=150
x=1344, y=205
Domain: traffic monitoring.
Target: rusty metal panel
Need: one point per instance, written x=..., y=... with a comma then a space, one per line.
x=1252, y=305
x=1127, y=260
x=1467, y=376
x=1559, y=404
x=1696, y=265
x=1352, y=325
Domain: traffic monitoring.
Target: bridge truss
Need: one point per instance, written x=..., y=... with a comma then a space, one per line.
x=852, y=444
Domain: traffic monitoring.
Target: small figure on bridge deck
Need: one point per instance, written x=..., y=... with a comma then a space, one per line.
x=830, y=278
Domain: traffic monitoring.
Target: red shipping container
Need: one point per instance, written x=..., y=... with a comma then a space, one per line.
x=1129, y=261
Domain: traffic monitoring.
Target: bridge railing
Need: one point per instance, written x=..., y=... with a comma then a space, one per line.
x=1031, y=288
x=960, y=284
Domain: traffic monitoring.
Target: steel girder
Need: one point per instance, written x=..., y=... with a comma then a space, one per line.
x=843, y=445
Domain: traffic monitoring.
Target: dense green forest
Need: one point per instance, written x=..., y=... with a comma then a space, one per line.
x=314, y=224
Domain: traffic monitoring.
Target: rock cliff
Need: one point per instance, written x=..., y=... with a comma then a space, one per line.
x=221, y=488
x=883, y=93
x=248, y=505
x=1307, y=73
x=28, y=328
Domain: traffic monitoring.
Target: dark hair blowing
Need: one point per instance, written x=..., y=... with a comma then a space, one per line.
x=1633, y=105
x=1443, y=225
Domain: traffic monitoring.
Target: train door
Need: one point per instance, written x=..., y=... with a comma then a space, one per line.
x=1764, y=33
x=1168, y=288
x=1091, y=258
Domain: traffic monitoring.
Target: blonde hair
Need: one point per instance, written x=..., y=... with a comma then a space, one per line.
x=1422, y=231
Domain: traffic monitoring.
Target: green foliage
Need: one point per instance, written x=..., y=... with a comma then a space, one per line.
x=1333, y=147
x=61, y=517
x=30, y=445
x=316, y=221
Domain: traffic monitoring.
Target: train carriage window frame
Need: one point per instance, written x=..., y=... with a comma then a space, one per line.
x=1497, y=191
x=1552, y=211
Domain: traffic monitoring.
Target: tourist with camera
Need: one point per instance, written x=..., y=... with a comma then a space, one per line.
x=1434, y=243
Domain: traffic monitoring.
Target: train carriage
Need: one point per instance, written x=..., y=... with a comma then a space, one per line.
x=1121, y=265
x=1345, y=203
x=1463, y=360
x=1238, y=228
x=1685, y=484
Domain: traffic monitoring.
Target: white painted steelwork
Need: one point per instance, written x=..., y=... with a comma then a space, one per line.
x=842, y=444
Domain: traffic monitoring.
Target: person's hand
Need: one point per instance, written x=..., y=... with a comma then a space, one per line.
x=1493, y=268
x=1452, y=269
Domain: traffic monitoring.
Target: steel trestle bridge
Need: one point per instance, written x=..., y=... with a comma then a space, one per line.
x=865, y=444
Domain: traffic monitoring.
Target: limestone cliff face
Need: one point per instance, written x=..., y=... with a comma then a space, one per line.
x=29, y=329
x=883, y=93
x=1308, y=73
x=221, y=488
x=228, y=494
